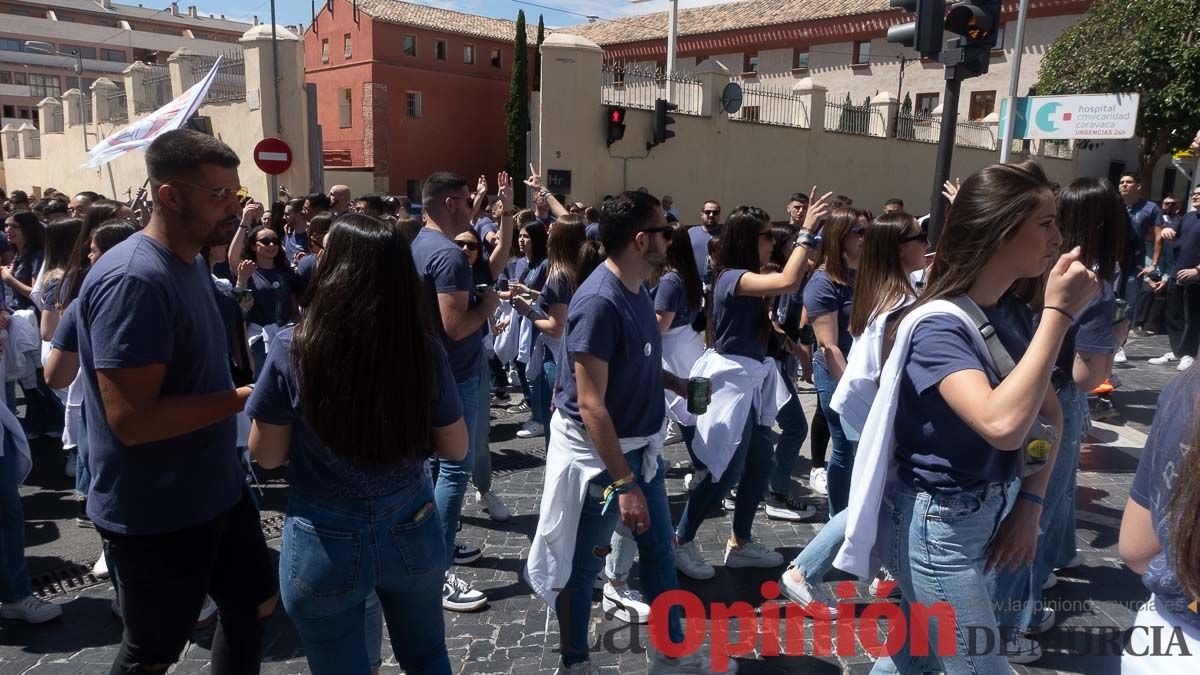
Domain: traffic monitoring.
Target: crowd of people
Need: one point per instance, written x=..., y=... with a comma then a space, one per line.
x=362, y=342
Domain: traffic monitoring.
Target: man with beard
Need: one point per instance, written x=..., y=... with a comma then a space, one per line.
x=709, y=227
x=168, y=496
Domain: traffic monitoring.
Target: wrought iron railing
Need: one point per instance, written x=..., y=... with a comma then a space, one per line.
x=1060, y=149
x=639, y=86
x=862, y=120
x=157, y=89
x=229, y=82
x=118, y=110
x=928, y=129
x=763, y=105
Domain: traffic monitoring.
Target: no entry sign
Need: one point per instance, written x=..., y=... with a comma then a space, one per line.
x=273, y=156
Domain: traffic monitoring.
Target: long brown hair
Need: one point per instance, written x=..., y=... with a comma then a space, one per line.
x=881, y=283
x=1183, y=526
x=562, y=248
x=989, y=208
x=1092, y=216
x=833, y=243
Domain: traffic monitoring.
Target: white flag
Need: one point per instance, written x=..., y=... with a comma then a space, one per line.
x=142, y=133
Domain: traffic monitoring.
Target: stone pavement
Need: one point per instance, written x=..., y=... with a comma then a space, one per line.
x=512, y=635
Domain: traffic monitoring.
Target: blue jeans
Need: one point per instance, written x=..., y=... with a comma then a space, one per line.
x=749, y=470
x=337, y=552
x=841, y=459
x=452, y=476
x=794, y=427
x=573, y=606
x=83, y=475
x=481, y=468
x=816, y=559
x=1019, y=594
x=14, y=577
x=937, y=549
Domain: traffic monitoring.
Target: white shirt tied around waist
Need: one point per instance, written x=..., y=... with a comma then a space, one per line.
x=682, y=347
x=739, y=383
x=571, y=462
x=869, y=506
x=860, y=381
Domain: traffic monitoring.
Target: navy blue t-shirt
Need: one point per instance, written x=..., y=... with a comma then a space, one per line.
x=295, y=243
x=313, y=470
x=1143, y=216
x=66, y=336
x=700, y=238
x=1187, y=246
x=273, y=289
x=1154, y=484
x=444, y=269
x=618, y=327
x=141, y=305
x=737, y=320
x=25, y=268
x=593, y=231
x=557, y=291
x=822, y=296
x=483, y=227
x=1091, y=332
x=515, y=269
x=306, y=270
x=935, y=449
x=222, y=270
x=671, y=296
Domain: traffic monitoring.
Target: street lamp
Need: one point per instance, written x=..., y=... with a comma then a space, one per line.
x=39, y=47
x=672, y=37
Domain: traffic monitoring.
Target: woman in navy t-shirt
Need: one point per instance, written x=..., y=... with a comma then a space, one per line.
x=960, y=507
x=527, y=284
x=740, y=326
x=356, y=424
x=678, y=299
x=275, y=288
x=827, y=298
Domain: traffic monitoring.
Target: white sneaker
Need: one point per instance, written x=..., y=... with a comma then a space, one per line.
x=693, y=479
x=752, y=554
x=496, y=509
x=100, y=569
x=208, y=613
x=805, y=594
x=693, y=565
x=884, y=576
x=459, y=596
x=1021, y=649
x=818, y=481
x=1076, y=561
x=1119, y=357
x=673, y=435
x=531, y=429
x=1185, y=363
x=1162, y=360
x=783, y=507
x=625, y=604
x=70, y=467
x=30, y=609
x=698, y=662
x=1050, y=582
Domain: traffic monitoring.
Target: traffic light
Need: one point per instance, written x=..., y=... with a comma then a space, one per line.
x=616, y=124
x=924, y=34
x=662, y=121
x=978, y=24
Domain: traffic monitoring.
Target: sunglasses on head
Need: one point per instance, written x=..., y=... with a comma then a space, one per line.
x=469, y=245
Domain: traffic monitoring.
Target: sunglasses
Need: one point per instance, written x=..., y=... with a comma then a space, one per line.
x=920, y=236
x=219, y=194
x=712, y=213
x=860, y=231
x=656, y=230
x=268, y=242
x=469, y=245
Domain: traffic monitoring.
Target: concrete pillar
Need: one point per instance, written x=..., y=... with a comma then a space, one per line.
x=183, y=75
x=50, y=115
x=571, y=69
x=30, y=141
x=12, y=142
x=292, y=125
x=815, y=101
x=713, y=77
x=886, y=106
x=135, y=87
x=70, y=103
x=102, y=88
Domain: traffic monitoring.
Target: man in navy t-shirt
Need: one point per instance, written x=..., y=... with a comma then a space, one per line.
x=458, y=312
x=167, y=492
x=709, y=227
x=611, y=399
x=1144, y=215
x=1183, y=289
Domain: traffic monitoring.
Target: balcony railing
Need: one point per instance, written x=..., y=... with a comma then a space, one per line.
x=637, y=86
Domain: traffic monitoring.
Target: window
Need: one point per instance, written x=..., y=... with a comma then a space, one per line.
x=800, y=59
x=113, y=55
x=412, y=188
x=495, y=58
x=85, y=52
x=412, y=103
x=982, y=104
x=999, y=39
x=11, y=45
x=469, y=54
x=5, y=77
x=750, y=63
x=926, y=103
x=20, y=78
x=324, y=50
x=41, y=86
x=410, y=45
x=346, y=48
x=344, y=102
x=10, y=111
x=439, y=50
x=862, y=53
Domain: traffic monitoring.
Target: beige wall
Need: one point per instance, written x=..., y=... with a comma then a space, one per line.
x=239, y=124
x=712, y=157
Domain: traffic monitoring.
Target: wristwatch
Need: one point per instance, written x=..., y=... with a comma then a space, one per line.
x=805, y=239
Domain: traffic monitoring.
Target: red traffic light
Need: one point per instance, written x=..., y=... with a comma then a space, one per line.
x=617, y=115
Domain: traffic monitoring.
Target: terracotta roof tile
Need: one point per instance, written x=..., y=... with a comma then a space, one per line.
x=449, y=21
x=723, y=17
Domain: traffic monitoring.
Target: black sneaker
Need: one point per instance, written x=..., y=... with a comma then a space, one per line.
x=500, y=395
x=81, y=518
x=783, y=507
x=459, y=596
x=465, y=554
x=1102, y=409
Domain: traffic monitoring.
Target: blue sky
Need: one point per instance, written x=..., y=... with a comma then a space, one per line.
x=298, y=11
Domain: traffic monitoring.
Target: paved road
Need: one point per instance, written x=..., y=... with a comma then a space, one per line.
x=512, y=635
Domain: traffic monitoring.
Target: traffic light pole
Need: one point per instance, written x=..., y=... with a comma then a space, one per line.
x=941, y=171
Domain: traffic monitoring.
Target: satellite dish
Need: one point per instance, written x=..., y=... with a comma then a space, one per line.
x=731, y=98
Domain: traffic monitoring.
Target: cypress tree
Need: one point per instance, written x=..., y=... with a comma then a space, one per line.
x=537, y=56
x=516, y=111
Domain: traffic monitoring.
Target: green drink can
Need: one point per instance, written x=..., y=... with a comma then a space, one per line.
x=1121, y=310
x=699, y=395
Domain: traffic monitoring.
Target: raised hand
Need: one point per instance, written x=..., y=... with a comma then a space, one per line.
x=950, y=190
x=1071, y=285
x=818, y=208
x=481, y=186
x=245, y=270
x=534, y=180
x=505, y=188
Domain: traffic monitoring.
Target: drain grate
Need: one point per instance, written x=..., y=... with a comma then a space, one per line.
x=69, y=578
